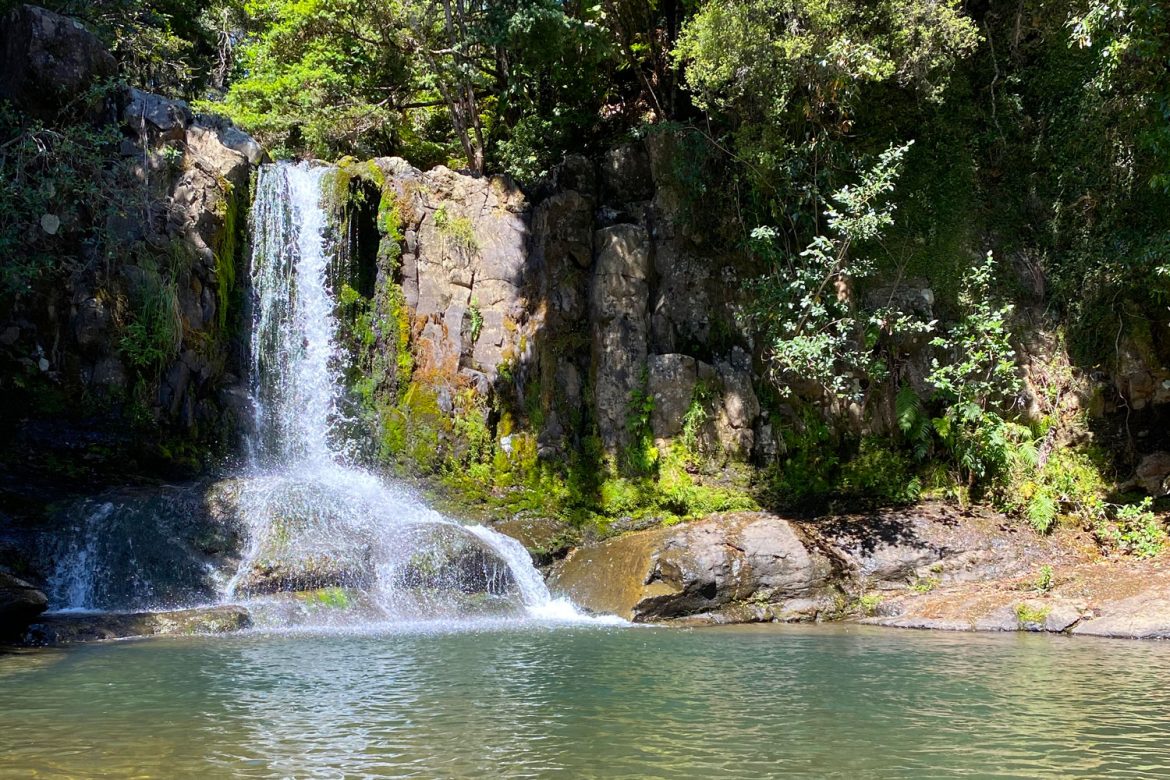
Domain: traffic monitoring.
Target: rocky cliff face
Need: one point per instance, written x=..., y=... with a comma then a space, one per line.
x=590, y=315
x=123, y=346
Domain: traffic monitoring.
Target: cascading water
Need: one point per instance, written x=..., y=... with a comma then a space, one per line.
x=317, y=524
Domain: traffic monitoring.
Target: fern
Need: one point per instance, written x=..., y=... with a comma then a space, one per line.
x=913, y=421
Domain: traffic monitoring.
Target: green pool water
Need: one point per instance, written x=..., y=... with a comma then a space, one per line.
x=500, y=700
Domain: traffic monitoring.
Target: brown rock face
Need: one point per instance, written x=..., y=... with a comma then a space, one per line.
x=701, y=567
x=47, y=60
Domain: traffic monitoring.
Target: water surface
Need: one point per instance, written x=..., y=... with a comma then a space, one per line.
x=526, y=700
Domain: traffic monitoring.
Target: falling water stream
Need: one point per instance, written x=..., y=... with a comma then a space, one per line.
x=315, y=522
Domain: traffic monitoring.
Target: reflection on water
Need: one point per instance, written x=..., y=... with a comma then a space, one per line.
x=590, y=702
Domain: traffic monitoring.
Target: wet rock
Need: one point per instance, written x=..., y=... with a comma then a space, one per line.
x=296, y=572
x=48, y=60
x=696, y=568
x=306, y=534
x=20, y=603
x=450, y=559
x=61, y=629
x=144, y=547
x=545, y=538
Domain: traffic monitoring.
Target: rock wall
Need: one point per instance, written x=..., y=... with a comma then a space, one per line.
x=563, y=312
x=126, y=350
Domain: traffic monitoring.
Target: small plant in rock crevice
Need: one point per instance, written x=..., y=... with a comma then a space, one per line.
x=476, y=320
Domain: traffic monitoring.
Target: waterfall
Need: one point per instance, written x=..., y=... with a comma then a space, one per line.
x=314, y=518
x=294, y=352
x=303, y=535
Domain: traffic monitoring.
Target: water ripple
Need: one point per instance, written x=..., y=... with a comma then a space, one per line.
x=509, y=700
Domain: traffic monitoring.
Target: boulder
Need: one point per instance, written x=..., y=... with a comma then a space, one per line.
x=20, y=603
x=48, y=60
x=449, y=558
x=156, y=118
x=294, y=572
x=305, y=534
x=1153, y=474
x=711, y=565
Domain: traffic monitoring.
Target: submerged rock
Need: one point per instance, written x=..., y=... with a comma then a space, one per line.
x=20, y=603
x=305, y=573
x=448, y=558
x=701, y=567
x=58, y=629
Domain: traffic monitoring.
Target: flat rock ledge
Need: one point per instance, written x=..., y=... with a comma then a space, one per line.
x=1117, y=599
x=929, y=567
x=71, y=628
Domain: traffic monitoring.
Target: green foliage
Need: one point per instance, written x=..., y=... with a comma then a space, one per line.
x=1069, y=484
x=787, y=79
x=881, y=474
x=914, y=423
x=1045, y=579
x=869, y=603
x=154, y=333
x=925, y=584
x=1134, y=530
x=1131, y=43
x=57, y=192
x=697, y=415
x=318, y=77
x=476, y=320
x=519, y=82
x=1029, y=615
x=976, y=379
x=174, y=47
x=805, y=306
x=640, y=456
